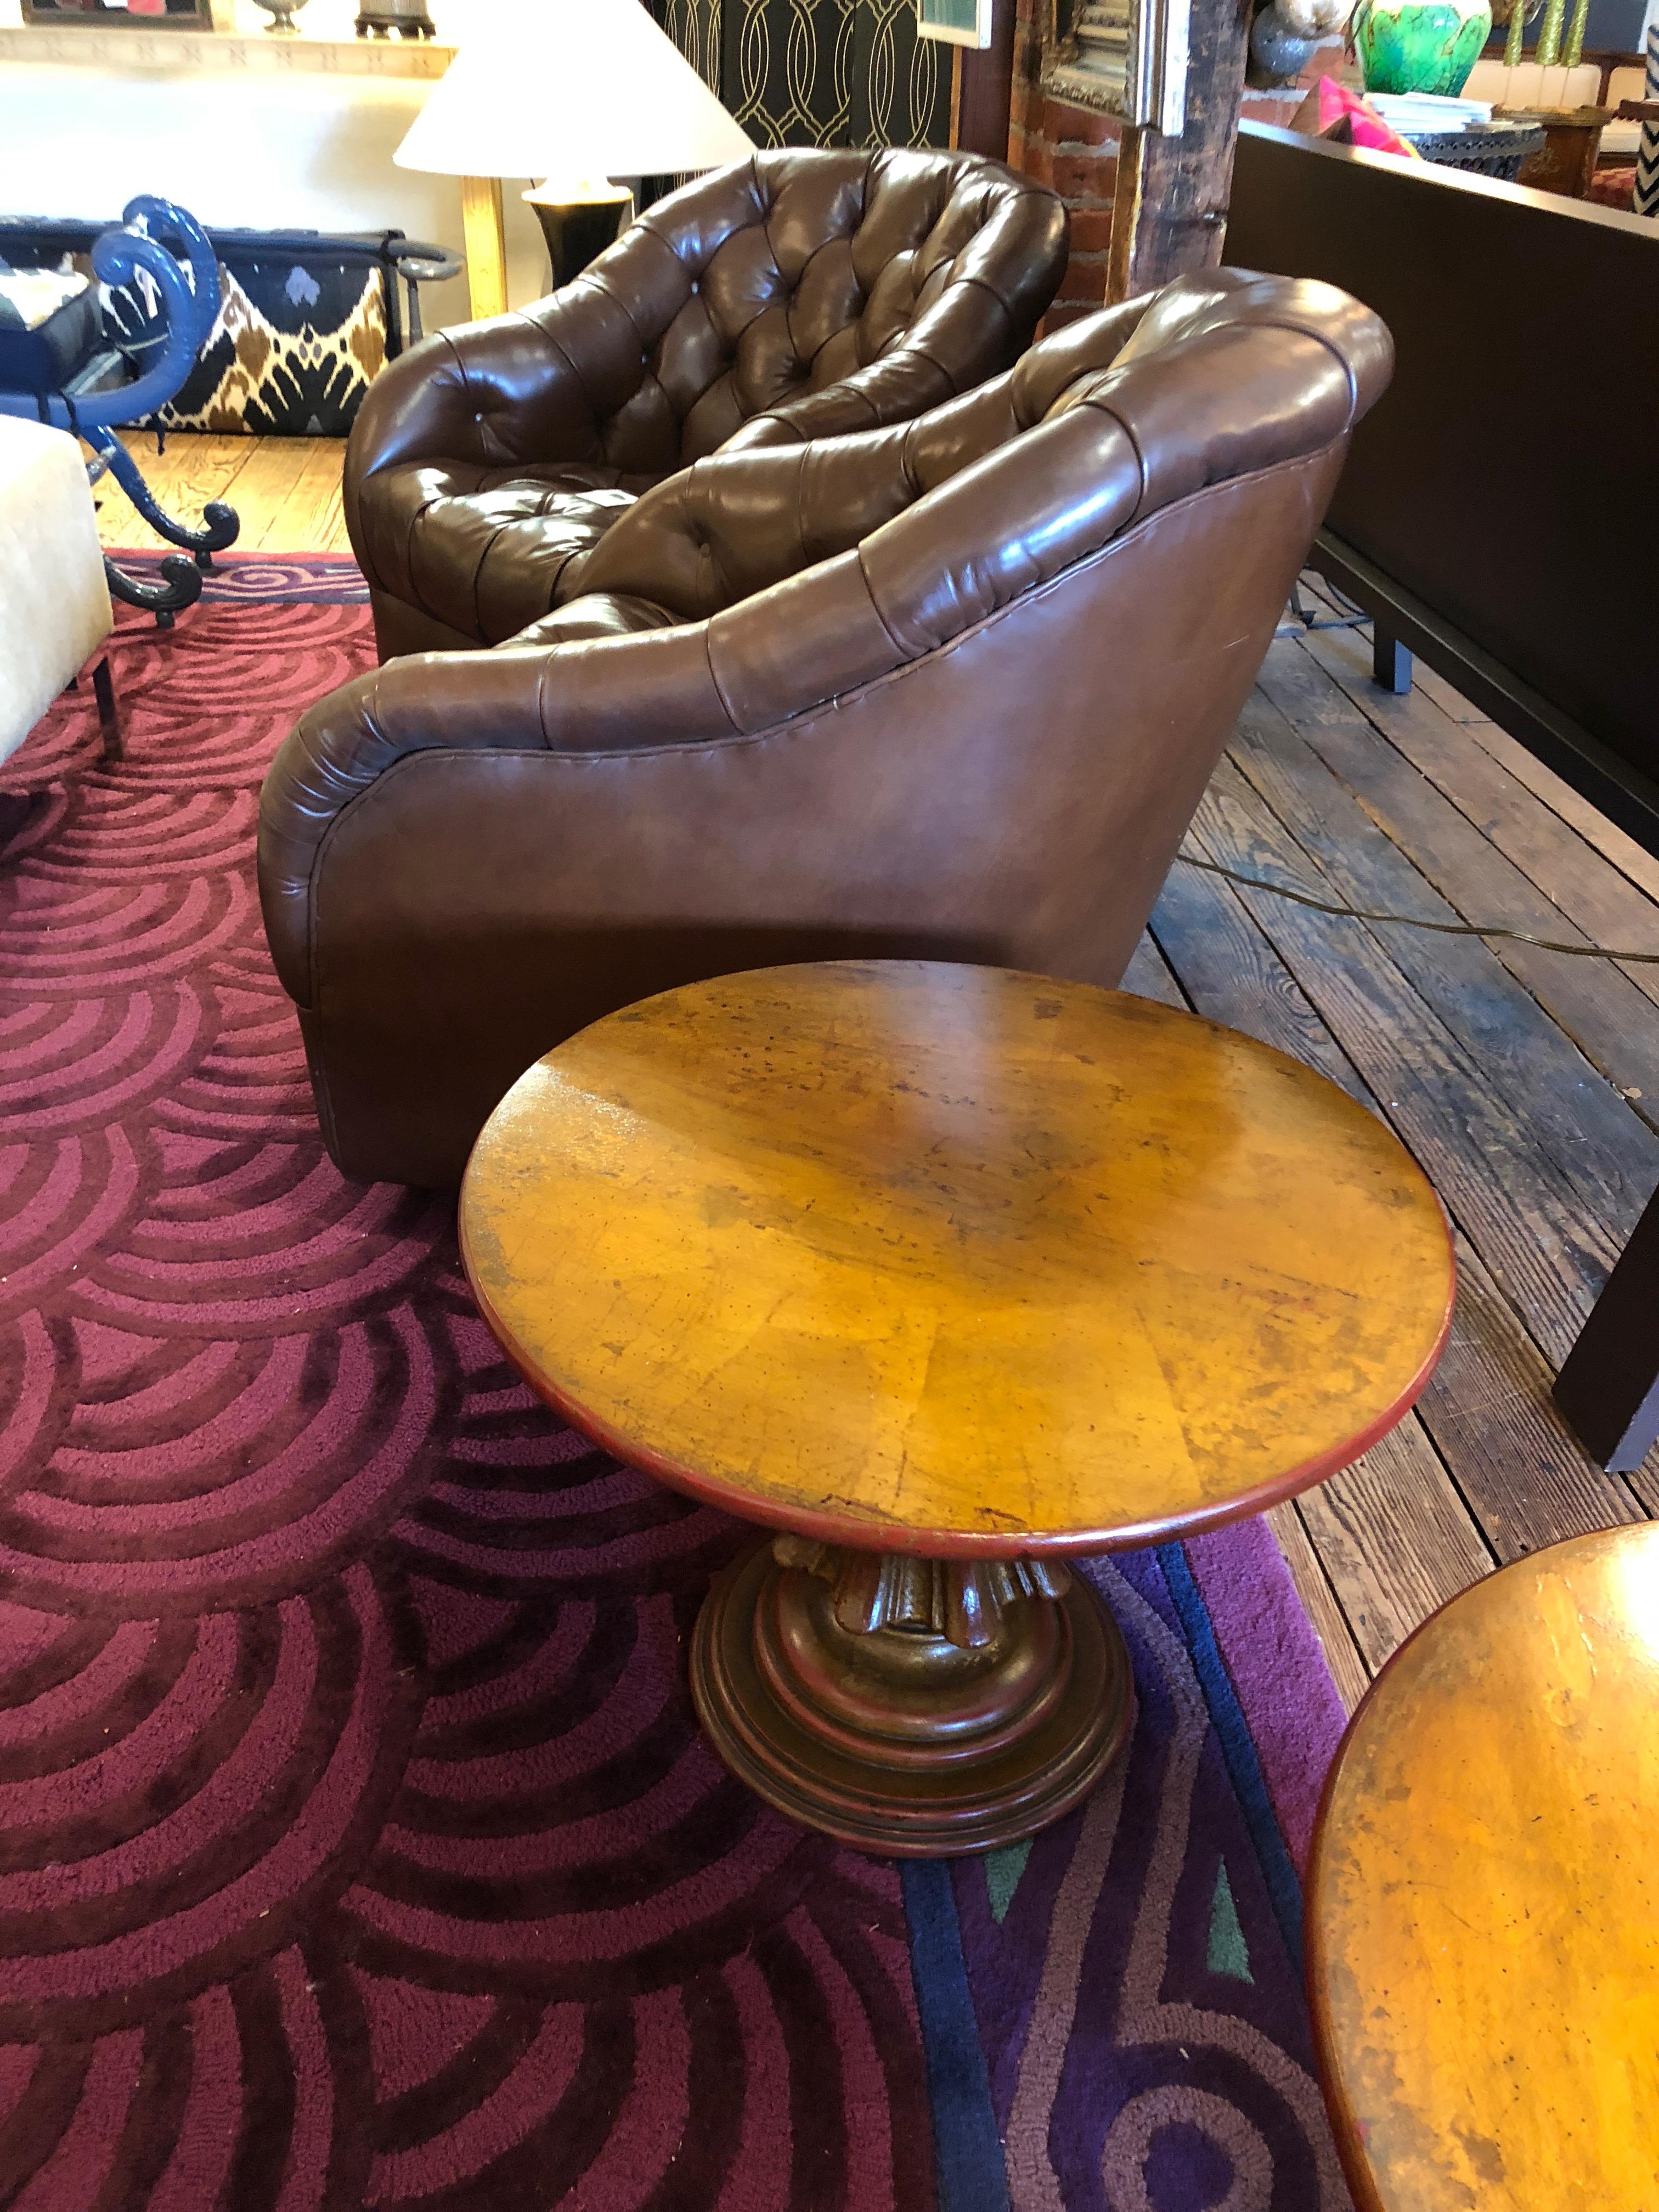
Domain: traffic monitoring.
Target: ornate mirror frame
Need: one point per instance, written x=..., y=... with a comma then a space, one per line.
x=1124, y=57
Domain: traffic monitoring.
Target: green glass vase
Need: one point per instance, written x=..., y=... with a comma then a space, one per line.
x=1419, y=45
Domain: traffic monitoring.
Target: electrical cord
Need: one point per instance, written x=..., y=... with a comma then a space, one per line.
x=1413, y=921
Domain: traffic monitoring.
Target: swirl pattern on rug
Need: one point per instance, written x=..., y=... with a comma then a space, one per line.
x=357, y=1843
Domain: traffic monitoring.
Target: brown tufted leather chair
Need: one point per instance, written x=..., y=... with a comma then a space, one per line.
x=952, y=689
x=798, y=295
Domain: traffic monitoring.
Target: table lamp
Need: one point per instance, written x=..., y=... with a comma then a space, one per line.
x=570, y=92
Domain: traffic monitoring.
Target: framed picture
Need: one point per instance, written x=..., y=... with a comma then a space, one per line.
x=958, y=22
x=144, y=14
x=1126, y=58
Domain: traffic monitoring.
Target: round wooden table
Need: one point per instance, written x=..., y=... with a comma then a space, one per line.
x=1483, y=1901
x=945, y=1272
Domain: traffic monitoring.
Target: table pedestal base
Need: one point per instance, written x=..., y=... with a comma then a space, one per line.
x=920, y=1707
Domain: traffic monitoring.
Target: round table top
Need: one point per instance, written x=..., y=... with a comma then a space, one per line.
x=950, y=1259
x=1483, y=1905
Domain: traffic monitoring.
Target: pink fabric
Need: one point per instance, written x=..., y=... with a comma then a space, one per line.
x=1366, y=126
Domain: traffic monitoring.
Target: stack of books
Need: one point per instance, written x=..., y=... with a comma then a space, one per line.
x=1424, y=114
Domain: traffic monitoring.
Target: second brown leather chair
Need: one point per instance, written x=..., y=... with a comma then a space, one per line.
x=952, y=689
x=800, y=294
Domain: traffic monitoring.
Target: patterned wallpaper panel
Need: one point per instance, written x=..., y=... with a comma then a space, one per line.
x=901, y=83
x=695, y=28
x=818, y=72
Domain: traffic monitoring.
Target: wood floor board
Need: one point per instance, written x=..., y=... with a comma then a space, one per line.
x=308, y=512
x=1645, y=1483
x=1525, y=1478
x=1449, y=700
x=286, y=491
x=337, y=539
x=1573, y=885
x=1613, y=1022
x=1424, y=678
x=1569, y=1107
x=1544, y=1241
x=265, y=486
x=1522, y=1477
x=1348, y=653
x=1148, y=975
x=1232, y=974
x=1320, y=1603
x=1395, y=1537
x=181, y=480
x=1631, y=858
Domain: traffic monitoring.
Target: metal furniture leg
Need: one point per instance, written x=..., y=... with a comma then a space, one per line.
x=181, y=587
x=1608, y=1386
x=109, y=712
x=1391, y=665
x=222, y=522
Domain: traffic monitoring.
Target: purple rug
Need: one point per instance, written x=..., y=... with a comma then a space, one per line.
x=357, y=1845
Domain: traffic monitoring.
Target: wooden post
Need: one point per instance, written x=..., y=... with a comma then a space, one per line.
x=486, y=244
x=985, y=89
x=1169, y=208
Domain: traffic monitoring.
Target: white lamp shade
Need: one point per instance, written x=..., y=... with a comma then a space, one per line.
x=569, y=89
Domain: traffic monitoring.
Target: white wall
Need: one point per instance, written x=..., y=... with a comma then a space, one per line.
x=277, y=149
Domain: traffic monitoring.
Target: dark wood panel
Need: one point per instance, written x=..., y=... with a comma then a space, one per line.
x=1515, y=436
x=1169, y=205
x=985, y=88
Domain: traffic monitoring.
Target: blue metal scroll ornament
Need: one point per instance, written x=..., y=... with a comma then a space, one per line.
x=116, y=384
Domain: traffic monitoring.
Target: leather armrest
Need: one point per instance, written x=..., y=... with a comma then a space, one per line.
x=898, y=387
x=604, y=692
x=423, y=405
x=540, y=384
x=736, y=523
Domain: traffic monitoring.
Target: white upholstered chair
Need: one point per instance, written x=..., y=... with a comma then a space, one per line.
x=54, y=603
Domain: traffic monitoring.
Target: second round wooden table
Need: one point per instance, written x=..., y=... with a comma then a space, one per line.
x=945, y=1272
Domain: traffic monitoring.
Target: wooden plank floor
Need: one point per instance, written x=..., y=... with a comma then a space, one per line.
x=286, y=492
x=1525, y=1082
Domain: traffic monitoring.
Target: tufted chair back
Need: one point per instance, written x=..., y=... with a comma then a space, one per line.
x=749, y=293
x=740, y=520
x=798, y=296
x=761, y=289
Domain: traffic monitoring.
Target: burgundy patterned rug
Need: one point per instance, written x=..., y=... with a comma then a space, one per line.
x=357, y=1845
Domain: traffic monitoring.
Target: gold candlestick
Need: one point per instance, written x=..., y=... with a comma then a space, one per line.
x=1549, y=38
x=1517, y=32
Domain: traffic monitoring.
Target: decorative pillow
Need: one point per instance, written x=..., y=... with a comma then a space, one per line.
x=306, y=322
x=48, y=328
x=28, y=296
x=296, y=345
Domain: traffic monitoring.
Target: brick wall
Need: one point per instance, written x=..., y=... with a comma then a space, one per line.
x=1075, y=151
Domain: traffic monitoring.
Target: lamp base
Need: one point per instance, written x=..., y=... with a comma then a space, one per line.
x=379, y=18
x=577, y=231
